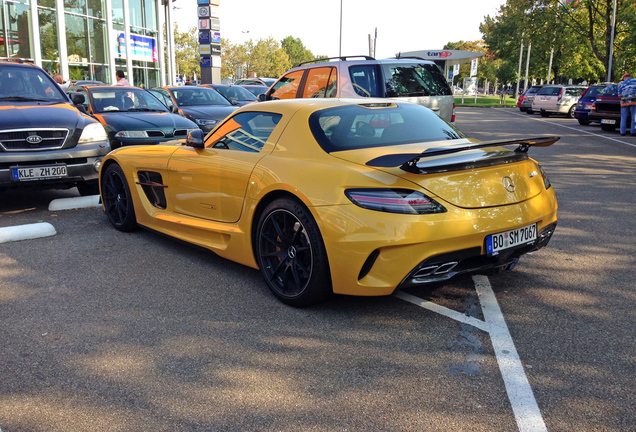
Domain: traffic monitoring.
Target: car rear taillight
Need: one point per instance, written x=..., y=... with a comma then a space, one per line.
x=453, y=116
x=560, y=95
x=394, y=201
x=546, y=181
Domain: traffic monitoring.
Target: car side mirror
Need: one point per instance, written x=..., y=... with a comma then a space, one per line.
x=195, y=139
x=76, y=98
x=173, y=109
x=262, y=97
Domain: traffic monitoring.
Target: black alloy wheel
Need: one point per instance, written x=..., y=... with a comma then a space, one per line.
x=117, y=199
x=291, y=254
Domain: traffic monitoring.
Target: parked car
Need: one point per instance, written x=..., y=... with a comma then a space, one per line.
x=557, y=99
x=256, y=81
x=45, y=141
x=86, y=82
x=132, y=116
x=413, y=80
x=235, y=94
x=323, y=202
x=254, y=89
x=607, y=109
x=586, y=103
x=529, y=95
x=203, y=105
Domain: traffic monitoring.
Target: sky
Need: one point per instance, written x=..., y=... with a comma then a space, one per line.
x=402, y=25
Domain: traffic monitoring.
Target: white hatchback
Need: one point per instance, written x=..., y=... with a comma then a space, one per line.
x=557, y=99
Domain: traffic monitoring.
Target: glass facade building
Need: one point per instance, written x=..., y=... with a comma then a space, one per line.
x=87, y=39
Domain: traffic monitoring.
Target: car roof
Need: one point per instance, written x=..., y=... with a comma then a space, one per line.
x=355, y=60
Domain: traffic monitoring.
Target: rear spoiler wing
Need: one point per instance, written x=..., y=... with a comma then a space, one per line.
x=408, y=160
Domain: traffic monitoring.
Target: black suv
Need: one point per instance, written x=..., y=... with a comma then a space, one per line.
x=45, y=141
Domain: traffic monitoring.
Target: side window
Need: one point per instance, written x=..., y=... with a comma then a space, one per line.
x=247, y=131
x=287, y=87
x=163, y=96
x=320, y=83
x=364, y=79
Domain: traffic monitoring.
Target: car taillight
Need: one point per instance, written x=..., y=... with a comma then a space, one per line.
x=560, y=95
x=394, y=201
x=453, y=116
x=546, y=181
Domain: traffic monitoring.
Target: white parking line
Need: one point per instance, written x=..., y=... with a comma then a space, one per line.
x=524, y=405
x=26, y=232
x=74, y=203
x=571, y=128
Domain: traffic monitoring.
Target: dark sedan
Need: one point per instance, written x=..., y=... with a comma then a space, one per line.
x=132, y=116
x=235, y=94
x=203, y=105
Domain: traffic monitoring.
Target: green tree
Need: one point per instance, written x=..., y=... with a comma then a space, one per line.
x=186, y=47
x=264, y=57
x=296, y=51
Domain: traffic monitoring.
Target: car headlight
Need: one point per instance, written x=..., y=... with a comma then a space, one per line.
x=131, y=134
x=206, y=122
x=93, y=132
x=394, y=201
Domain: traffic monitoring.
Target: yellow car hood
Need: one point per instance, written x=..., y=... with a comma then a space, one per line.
x=477, y=178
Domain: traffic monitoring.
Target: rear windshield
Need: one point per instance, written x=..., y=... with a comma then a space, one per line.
x=594, y=91
x=376, y=125
x=550, y=91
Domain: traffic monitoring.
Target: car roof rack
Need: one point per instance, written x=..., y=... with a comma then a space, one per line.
x=343, y=58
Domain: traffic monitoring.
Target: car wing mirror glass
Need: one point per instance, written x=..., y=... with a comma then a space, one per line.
x=76, y=98
x=262, y=97
x=173, y=109
x=195, y=139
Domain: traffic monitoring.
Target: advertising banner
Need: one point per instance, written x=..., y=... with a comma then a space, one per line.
x=143, y=48
x=204, y=37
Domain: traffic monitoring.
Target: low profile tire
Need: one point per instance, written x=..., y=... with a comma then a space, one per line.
x=584, y=122
x=544, y=113
x=291, y=254
x=117, y=199
x=88, y=188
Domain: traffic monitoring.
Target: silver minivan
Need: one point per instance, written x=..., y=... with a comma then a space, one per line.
x=557, y=99
x=408, y=79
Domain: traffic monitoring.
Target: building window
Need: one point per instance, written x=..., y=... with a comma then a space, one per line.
x=15, y=29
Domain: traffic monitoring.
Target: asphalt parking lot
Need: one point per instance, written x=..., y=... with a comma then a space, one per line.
x=106, y=331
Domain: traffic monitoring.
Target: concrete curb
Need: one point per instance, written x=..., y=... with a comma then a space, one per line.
x=74, y=203
x=26, y=232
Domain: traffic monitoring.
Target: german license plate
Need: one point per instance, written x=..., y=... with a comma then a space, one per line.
x=39, y=172
x=508, y=239
x=608, y=121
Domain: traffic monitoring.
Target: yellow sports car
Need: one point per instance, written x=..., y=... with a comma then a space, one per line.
x=358, y=197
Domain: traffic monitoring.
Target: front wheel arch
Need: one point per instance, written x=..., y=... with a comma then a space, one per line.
x=290, y=252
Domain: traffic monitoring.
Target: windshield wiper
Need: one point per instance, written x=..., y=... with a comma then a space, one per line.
x=22, y=98
x=145, y=109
